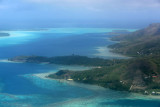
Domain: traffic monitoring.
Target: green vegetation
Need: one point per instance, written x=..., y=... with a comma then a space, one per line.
x=140, y=43
x=139, y=74
x=105, y=76
x=67, y=60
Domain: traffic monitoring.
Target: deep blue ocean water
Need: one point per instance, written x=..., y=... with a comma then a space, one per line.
x=19, y=87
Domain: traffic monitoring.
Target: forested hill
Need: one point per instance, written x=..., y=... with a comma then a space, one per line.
x=67, y=60
x=138, y=74
x=140, y=43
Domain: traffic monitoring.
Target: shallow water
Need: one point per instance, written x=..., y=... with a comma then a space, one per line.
x=56, y=42
x=20, y=88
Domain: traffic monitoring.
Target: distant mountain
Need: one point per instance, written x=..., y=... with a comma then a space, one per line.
x=137, y=74
x=141, y=42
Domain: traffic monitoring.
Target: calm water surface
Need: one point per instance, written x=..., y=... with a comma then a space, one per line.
x=20, y=88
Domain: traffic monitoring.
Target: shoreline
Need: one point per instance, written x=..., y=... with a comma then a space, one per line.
x=106, y=53
x=8, y=61
x=70, y=82
x=95, y=88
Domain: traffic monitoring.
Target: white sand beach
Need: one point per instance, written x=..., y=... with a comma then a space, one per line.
x=43, y=75
x=87, y=86
x=106, y=52
x=95, y=88
x=7, y=61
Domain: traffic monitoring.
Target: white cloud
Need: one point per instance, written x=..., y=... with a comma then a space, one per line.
x=106, y=2
x=80, y=8
x=88, y=5
x=100, y=5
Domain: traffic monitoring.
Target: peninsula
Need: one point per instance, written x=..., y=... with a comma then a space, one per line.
x=138, y=74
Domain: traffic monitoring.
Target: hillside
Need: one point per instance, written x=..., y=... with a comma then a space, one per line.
x=138, y=74
x=140, y=43
x=67, y=60
x=135, y=75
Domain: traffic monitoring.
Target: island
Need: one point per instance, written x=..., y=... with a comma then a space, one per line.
x=4, y=34
x=141, y=73
x=143, y=42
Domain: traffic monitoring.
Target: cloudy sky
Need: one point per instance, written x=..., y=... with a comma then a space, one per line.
x=100, y=13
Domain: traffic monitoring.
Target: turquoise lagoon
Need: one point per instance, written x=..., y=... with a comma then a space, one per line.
x=19, y=87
